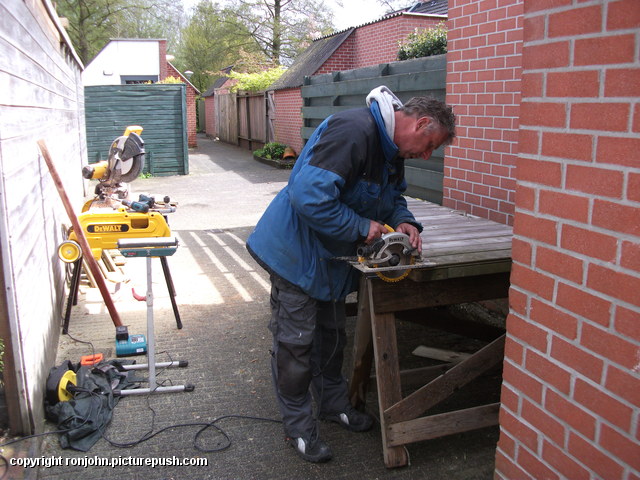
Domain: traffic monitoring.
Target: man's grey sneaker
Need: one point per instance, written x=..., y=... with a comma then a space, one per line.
x=313, y=450
x=351, y=419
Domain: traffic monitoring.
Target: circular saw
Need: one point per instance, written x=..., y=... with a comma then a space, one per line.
x=125, y=163
x=390, y=256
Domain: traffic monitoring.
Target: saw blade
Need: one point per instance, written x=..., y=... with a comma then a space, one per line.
x=398, y=259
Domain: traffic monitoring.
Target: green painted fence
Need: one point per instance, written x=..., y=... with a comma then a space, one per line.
x=329, y=93
x=158, y=108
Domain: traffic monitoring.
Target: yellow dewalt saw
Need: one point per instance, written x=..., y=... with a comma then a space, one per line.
x=111, y=216
x=390, y=257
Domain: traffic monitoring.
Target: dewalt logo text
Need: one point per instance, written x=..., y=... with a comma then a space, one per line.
x=108, y=228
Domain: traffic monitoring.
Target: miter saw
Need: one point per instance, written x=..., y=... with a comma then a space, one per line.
x=390, y=257
x=111, y=215
x=124, y=164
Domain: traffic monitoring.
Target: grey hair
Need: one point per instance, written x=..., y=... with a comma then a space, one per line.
x=435, y=109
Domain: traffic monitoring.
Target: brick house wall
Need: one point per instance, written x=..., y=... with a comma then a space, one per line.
x=483, y=83
x=368, y=45
x=571, y=391
x=288, y=104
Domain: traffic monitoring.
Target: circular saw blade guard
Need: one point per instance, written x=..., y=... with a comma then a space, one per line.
x=126, y=159
x=393, y=252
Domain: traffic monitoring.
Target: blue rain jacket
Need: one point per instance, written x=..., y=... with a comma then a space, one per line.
x=347, y=174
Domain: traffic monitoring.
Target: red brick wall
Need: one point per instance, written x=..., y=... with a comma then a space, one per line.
x=366, y=46
x=162, y=47
x=192, y=120
x=483, y=84
x=376, y=43
x=571, y=387
x=288, y=122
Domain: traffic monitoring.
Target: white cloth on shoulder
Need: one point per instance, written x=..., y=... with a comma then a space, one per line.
x=388, y=103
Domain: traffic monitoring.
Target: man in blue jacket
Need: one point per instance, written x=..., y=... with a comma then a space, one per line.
x=346, y=181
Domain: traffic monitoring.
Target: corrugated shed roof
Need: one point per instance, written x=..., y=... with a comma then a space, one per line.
x=434, y=7
x=309, y=61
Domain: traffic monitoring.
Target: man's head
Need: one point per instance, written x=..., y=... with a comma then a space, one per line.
x=422, y=125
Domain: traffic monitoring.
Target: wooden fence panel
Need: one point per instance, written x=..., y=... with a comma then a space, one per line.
x=252, y=120
x=159, y=109
x=330, y=93
x=226, y=111
x=241, y=119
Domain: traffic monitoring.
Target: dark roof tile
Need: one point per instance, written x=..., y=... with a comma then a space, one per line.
x=309, y=61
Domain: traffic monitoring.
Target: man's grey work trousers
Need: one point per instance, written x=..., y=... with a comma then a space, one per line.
x=308, y=348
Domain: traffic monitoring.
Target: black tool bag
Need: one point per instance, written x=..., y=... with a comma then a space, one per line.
x=83, y=419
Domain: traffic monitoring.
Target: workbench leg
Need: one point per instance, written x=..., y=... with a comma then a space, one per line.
x=385, y=348
x=362, y=350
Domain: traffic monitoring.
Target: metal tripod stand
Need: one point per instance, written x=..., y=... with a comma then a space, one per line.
x=153, y=247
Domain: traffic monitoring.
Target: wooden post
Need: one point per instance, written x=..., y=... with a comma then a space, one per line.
x=82, y=240
x=383, y=329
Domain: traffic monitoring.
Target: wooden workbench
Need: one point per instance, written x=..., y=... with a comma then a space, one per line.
x=466, y=259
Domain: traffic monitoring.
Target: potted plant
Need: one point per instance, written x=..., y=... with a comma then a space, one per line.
x=276, y=154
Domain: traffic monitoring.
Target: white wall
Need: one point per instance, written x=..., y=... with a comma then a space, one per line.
x=123, y=57
x=41, y=97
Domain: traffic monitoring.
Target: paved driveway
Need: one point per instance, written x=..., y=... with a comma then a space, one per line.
x=223, y=300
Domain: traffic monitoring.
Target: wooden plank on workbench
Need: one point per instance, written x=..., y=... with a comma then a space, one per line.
x=465, y=244
x=497, y=255
x=449, y=225
x=465, y=238
x=498, y=252
x=435, y=426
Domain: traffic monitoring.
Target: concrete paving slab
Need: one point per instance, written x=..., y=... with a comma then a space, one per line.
x=223, y=298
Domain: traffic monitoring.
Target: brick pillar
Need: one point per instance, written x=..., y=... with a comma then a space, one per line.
x=192, y=122
x=483, y=85
x=571, y=387
x=288, y=122
x=162, y=47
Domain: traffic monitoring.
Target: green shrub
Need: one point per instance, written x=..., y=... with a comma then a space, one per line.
x=273, y=151
x=255, y=82
x=170, y=80
x=424, y=43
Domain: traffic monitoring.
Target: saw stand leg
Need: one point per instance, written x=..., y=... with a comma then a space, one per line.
x=172, y=290
x=75, y=285
x=151, y=351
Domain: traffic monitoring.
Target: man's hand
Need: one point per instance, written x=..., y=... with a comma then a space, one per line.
x=376, y=230
x=414, y=235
